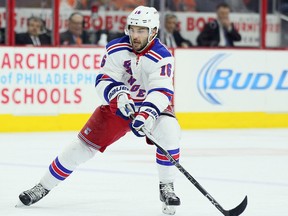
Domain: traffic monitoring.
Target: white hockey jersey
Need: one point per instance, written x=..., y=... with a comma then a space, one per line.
x=148, y=75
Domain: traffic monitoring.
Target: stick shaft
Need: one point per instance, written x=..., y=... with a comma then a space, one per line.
x=233, y=212
x=184, y=172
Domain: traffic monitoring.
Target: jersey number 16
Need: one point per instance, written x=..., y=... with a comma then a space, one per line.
x=166, y=70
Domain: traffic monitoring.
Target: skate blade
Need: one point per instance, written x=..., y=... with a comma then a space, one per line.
x=169, y=210
x=20, y=205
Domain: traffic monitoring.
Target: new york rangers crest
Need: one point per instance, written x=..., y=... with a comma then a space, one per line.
x=87, y=130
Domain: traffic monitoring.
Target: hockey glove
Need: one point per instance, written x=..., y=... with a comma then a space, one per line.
x=122, y=105
x=146, y=119
x=120, y=100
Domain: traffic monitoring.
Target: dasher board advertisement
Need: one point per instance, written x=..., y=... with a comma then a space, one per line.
x=48, y=81
x=231, y=81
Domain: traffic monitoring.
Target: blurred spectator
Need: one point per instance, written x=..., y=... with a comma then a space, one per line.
x=45, y=30
x=2, y=35
x=113, y=35
x=29, y=4
x=124, y=5
x=238, y=6
x=210, y=5
x=75, y=35
x=169, y=5
x=219, y=32
x=254, y=5
x=283, y=7
x=102, y=5
x=207, y=5
x=34, y=35
x=73, y=4
x=185, y=5
x=172, y=36
x=127, y=5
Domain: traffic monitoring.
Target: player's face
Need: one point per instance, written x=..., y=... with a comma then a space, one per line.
x=139, y=37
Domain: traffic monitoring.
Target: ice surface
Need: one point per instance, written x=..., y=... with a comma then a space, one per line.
x=123, y=181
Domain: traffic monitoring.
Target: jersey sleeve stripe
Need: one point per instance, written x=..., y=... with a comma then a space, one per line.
x=164, y=91
x=153, y=56
x=138, y=104
x=119, y=47
x=138, y=100
x=103, y=77
x=156, y=55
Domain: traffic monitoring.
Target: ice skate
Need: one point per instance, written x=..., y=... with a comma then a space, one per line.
x=169, y=198
x=33, y=195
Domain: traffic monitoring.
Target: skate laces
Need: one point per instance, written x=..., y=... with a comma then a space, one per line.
x=36, y=192
x=167, y=190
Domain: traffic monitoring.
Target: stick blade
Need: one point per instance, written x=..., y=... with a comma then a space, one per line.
x=238, y=210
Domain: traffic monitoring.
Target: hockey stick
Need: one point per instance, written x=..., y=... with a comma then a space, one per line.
x=233, y=212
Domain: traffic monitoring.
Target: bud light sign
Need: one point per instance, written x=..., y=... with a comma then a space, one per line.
x=215, y=77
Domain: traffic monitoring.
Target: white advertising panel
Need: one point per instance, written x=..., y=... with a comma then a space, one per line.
x=231, y=81
x=48, y=81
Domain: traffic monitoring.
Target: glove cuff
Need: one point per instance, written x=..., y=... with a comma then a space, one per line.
x=113, y=89
x=150, y=109
x=145, y=115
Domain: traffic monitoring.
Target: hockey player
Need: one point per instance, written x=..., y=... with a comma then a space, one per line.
x=135, y=78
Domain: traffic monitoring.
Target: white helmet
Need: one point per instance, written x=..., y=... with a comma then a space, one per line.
x=145, y=17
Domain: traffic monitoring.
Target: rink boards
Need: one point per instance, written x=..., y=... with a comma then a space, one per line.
x=52, y=89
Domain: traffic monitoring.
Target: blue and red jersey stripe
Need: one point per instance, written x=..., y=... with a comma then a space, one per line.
x=169, y=93
x=163, y=160
x=58, y=170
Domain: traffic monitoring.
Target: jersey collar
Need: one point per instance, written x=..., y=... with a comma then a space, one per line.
x=143, y=52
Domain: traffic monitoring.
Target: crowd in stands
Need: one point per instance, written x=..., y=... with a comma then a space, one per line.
x=219, y=32
x=172, y=36
x=171, y=5
x=35, y=35
x=174, y=5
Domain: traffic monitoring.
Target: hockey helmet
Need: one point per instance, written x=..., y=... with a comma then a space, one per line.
x=145, y=17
